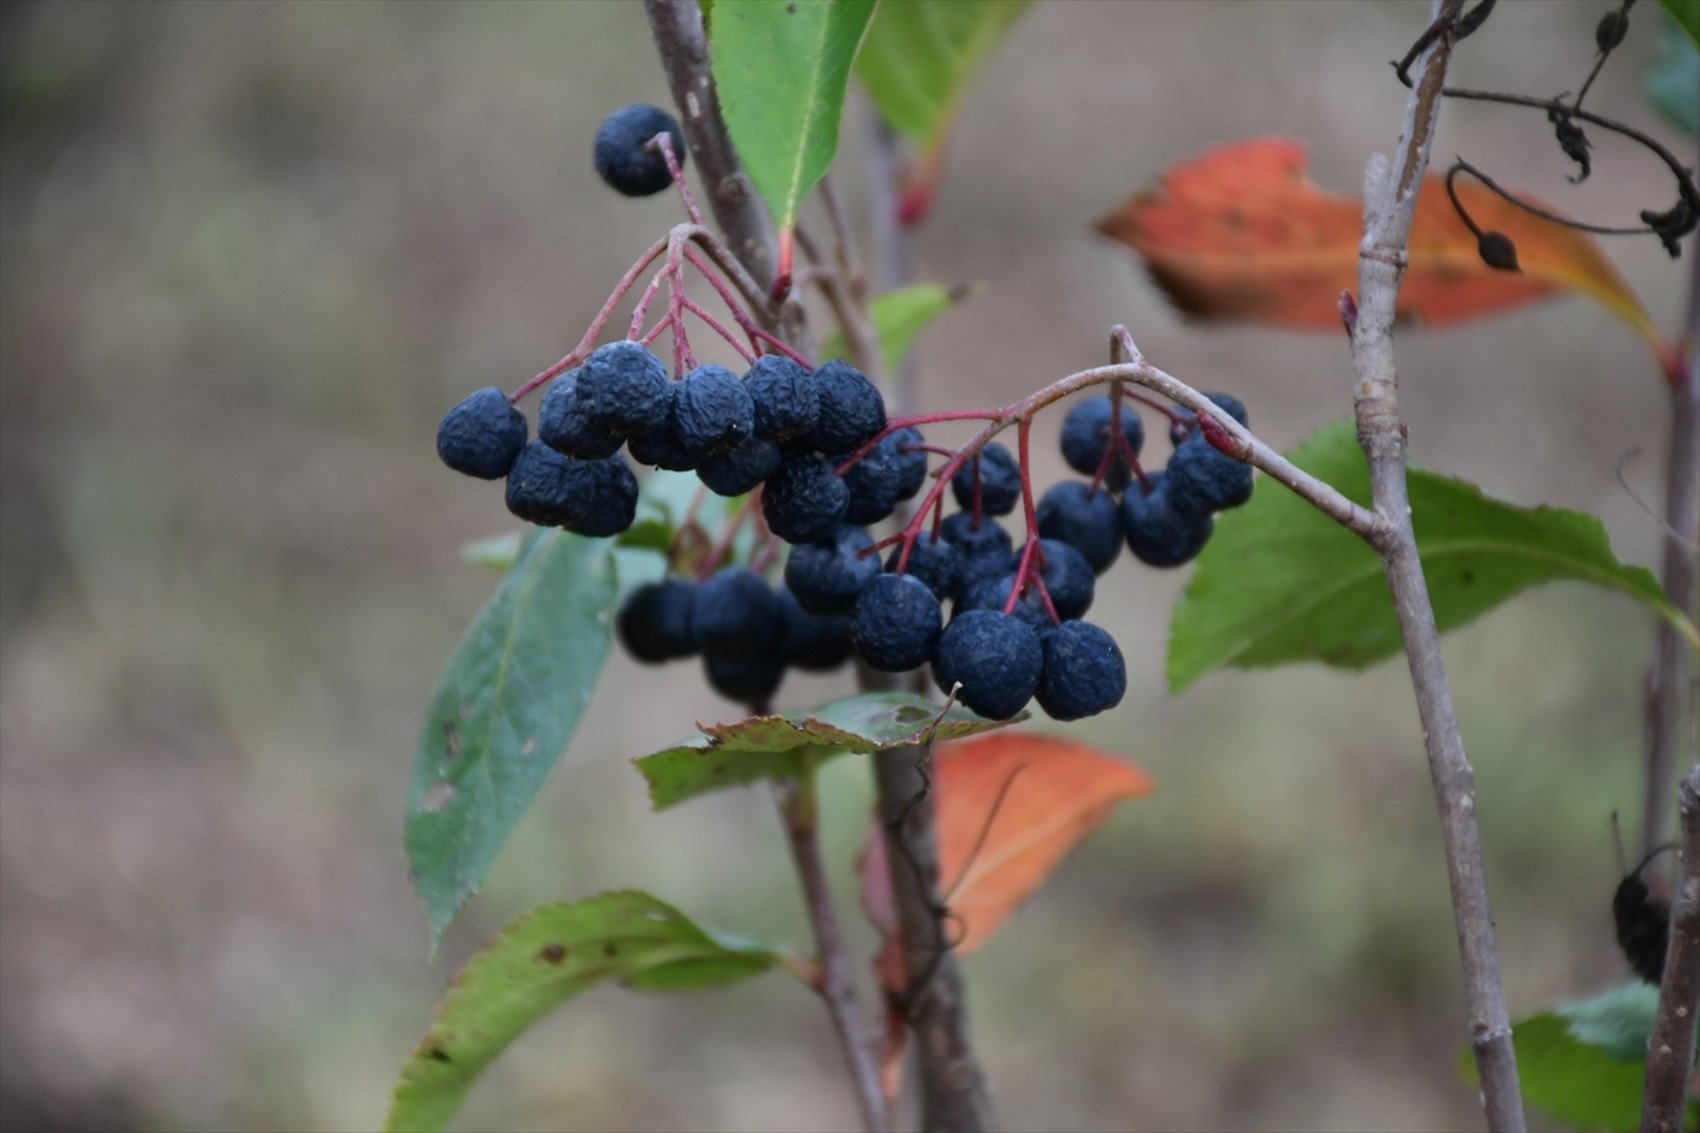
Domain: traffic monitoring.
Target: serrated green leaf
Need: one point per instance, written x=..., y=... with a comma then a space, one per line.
x=920, y=55
x=1584, y=1063
x=781, y=68
x=898, y=316
x=1686, y=13
x=1281, y=582
x=504, y=707
x=772, y=747
x=1672, y=81
x=542, y=959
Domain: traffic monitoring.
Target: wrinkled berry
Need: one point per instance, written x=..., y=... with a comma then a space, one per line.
x=1000, y=481
x=911, y=461
x=1086, y=436
x=481, y=435
x=896, y=623
x=1067, y=576
x=997, y=659
x=750, y=681
x=712, y=411
x=655, y=621
x=851, y=409
x=876, y=482
x=993, y=594
x=1200, y=479
x=785, y=396
x=973, y=535
x=1158, y=534
x=1084, y=672
x=624, y=157
x=563, y=426
x=739, y=470
x=587, y=497
x=1088, y=521
x=660, y=448
x=825, y=576
x=736, y=614
x=803, y=501
x=812, y=643
x=623, y=389
x=934, y=561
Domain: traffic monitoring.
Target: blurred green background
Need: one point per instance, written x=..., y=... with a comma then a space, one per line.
x=252, y=251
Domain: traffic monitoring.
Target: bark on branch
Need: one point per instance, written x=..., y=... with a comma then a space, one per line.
x=1670, y=1048
x=1390, y=195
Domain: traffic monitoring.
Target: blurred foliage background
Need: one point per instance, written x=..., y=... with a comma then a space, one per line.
x=252, y=251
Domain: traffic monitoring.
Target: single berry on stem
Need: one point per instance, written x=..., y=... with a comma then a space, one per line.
x=1089, y=521
x=1158, y=534
x=826, y=576
x=996, y=658
x=803, y=500
x=851, y=410
x=1087, y=443
x=786, y=398
x=1084, y=672
x=736, y=614
x=739, y=470
x=712, y=411
x=623, y=389
x=625, y=156
x=988, y=482
x=655, y=621
x=482, y=435
x=896, y=623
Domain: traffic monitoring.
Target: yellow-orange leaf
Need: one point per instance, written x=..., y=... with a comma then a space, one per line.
x=1241, y=232
x=1054, y=793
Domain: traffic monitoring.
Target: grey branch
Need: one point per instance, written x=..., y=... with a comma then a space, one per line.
x=1670, y=1048
x=836, y=986
x=1390, y=196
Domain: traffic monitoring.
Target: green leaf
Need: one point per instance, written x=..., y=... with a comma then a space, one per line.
x=898, y=316
x=920, y=55
x=1281, y=582
x=504, y=707
x=781, y=69
x=772, y=747
x=542, y=959
x=1672, y=82
x=1584, y=1063
x=498, y=551
x=1686, y=13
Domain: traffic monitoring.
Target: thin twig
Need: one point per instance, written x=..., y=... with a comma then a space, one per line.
x=1390, y=198
x=1669, y=688
x=800, y=814
x=1670, y=1047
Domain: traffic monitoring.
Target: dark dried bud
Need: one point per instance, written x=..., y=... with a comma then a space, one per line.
x=1671, y=225
x=1611, y=29
x=1497, y=251
x=1473, y=19
x=1572, y=141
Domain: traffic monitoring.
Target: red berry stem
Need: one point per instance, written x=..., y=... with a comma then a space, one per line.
x=664, y=141
x=656, y=331
x=582, y=351
x=719, y=328
x=723, y=545
x=740, y=316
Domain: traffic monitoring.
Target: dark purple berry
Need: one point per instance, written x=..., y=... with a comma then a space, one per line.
x=624, y=157
x=587, y=497
x=826, y=576
x=661, y=449
x=1070, y=512
x=803, y=501
x=1084, y=672
x=750, y=681
x=482, y=435
x=712, y=411
x=1201, y=479
x=563, y=426
x=736, y=614
x=786, y=398
x=655, y=621
x=1158, y=534
x=739, y=470
x=1086, y=436
x=851, y=409
x=1000, y=481
x=997, y=659
x=623, y=389
x=993, y=594
x=813, y=643
x=1067, y=576
x=1185, y=423
x=896, y=623
x=933, y=561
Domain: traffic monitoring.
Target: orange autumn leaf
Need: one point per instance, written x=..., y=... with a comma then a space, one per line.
x=1241, y=232
x=991, y=862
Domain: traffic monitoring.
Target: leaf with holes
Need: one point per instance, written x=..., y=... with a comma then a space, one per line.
x=1281, y=582
x=540, y=960
x=781, y=70
x=1010, y=808
x=504, y=707
x=773, y=747
x=1584, y=1064
x=1241, y=233
x=899, y=316
x=916, y=64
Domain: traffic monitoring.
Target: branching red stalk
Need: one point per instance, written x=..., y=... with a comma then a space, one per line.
x=717, y=327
